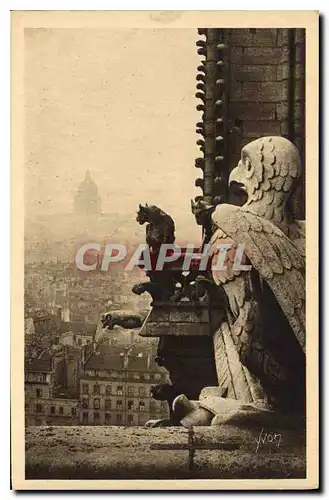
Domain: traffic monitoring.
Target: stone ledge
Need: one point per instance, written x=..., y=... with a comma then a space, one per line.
x=125, y=453
x=176, y=319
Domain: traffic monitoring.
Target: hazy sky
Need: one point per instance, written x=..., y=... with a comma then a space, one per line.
x=119, y=102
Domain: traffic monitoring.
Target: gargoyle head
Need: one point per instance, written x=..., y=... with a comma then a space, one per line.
x=201, y=210
x=143, y=214
x=267, y=164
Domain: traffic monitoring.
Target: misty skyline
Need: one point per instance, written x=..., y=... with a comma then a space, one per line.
x=120, y=103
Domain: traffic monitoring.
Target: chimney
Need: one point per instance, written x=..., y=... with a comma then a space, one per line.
x=126, y=359
x=59, y=314
x=66, y=314
x=53, y=364
x=148, y=358
x=83, y=354
x=66, y=359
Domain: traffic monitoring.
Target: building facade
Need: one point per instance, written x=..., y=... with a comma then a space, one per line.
x=115, y=387
x=75, y=339
x=98, y=384
x=41, y=405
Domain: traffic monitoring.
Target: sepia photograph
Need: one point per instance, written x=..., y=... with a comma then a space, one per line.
x=164, y=170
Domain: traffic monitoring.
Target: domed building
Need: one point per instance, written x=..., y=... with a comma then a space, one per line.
x=87, y=201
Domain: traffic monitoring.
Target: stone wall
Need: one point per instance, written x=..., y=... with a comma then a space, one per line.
x=256, y=89
x=128, y=453
x=266, y=94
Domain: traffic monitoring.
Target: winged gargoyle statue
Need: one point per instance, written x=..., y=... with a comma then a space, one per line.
x=265, y=309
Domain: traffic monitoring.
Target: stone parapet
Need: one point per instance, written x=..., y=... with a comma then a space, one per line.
x=181, y=318
x=128, y=453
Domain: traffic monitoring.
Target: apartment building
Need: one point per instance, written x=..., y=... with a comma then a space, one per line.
x=115, y=386
x=45, y=402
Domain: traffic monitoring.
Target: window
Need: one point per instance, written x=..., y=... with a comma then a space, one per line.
x=39, y=393
x=85, y=403
x=61, y=410
x=142, y=392
x=119, y=390
x=153, y=406
x=108, y=390
x=107, y=404
x=136, y=376
x=53, y=409
x=79, y=341
x=107, y=418
x=97, y=389
x=130, y=405
x=157, y=376
x=73, y=412
x=130, y=419
x=141, y=406
x=85, y=418
x=38, y=408
x=119, y=405
x=97, y=403
x=96, y=418
x=119, y=418
x=147, y=376
x=130, y=390
x=85, y=389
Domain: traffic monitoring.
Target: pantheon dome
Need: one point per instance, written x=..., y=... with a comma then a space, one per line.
x=87, y=200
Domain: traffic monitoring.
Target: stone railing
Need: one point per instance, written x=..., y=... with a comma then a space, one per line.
x=221, y=452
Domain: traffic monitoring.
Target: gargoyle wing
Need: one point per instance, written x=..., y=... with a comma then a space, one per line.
x=272, y=254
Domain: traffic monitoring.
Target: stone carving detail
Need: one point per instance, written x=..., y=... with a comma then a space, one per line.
x=171, y=283
x=202, y=211
x=214, y=408
x=160, y=227
x=161, y=286
x=109, y=320
x=265, y=305
x=168, y=393
x=212, y=79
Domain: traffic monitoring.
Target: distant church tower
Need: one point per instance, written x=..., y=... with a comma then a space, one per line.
x=87, y=201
